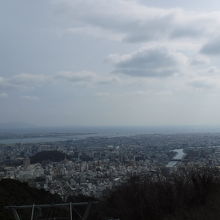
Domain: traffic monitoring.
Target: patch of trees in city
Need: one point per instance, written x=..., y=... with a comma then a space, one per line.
x=53, y=156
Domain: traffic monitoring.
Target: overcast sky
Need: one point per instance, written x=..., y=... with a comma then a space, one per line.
x=110, y=62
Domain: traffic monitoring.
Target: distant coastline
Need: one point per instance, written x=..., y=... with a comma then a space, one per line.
x=44, y=135
x=10, y=139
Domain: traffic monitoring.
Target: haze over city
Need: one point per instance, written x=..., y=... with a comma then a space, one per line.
x=117, y=62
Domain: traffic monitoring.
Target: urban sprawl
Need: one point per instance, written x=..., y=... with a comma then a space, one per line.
x=94, y=165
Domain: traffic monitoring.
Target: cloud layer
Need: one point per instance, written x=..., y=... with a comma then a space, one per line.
x=30, y=80
x=107, y=60
x=152, y=62
x=136, y=22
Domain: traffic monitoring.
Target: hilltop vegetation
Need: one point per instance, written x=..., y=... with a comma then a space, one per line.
x=192, y=194
x=189, y=194
x=13, y=192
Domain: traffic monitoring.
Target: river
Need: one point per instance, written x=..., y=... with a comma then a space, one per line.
x=178, y=157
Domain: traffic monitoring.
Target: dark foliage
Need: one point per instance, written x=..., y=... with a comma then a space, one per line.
x=13, y=192
x=53, y=156
x=187, y=194
x=93, y=215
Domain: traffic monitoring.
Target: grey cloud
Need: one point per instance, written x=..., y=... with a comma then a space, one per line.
x=137, y=22
x=202, y=84
x=212, y=47
x=3, y=95
x=29, y=80
x=24, y=80
x=83, y=76
x=86, y=77
x=200, y=60
x=154, y=62
x=3, y=82
x=30, y=98
x=187, y=31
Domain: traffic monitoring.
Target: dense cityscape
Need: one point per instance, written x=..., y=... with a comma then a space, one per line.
x=94, y=165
